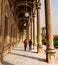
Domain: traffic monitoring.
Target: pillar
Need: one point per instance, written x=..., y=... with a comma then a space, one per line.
x=28, y=35
x=18, y=36
x=34, y=36
x=2, y=19
x=8, y=36
x=39, y=37
x=15, y=34
x=27, y=32
x=0, y=32
x=12, y=36
x=32, y=31
x=50, y=52
x=29, y=28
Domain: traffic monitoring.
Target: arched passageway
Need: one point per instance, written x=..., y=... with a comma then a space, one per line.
x=17, y=22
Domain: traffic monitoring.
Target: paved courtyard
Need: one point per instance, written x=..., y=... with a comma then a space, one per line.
x=20, y=57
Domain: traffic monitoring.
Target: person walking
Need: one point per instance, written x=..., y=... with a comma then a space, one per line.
x=25, y=44
x=30, y=44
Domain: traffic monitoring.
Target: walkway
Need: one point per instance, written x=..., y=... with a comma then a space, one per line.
x=20, y=57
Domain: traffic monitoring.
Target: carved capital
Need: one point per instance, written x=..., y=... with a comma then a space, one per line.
x=33, y=15
x=38, y=5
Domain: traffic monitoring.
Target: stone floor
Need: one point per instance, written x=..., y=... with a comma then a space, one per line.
x=20, y=57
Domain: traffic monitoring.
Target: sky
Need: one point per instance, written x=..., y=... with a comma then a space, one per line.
x=54, y=14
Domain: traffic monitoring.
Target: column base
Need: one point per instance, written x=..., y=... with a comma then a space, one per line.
x=50, y=56
x=33, y=45
x=40, y=49
x=1, y=59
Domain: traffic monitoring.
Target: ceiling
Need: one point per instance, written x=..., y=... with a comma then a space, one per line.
x=19, y=8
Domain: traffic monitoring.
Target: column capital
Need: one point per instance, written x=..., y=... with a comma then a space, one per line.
x=33, y=15
x=38, y=5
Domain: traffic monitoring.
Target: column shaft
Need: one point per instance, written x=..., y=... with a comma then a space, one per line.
x=39, y=37
x=2, y=19
x=27, y=32
x=32, y=31
x=49, y=35
x=17, y=35
x=8, y=33
x=34, y=36
x=50, y=52
x=0, y=33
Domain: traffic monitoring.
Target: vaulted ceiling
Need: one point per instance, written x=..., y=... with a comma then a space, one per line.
x=19, y=8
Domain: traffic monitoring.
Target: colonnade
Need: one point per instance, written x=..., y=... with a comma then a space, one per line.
x=50, y=51
x=9, y=32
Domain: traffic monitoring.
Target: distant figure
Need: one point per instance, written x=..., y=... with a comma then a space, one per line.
x=30, y=44
x=25, y=44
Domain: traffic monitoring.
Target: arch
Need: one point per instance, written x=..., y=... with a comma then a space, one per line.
x=22, y=19
x=24, y=4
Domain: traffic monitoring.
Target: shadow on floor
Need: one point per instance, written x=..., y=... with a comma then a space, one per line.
x=6, y=63
x=26, y=50
x=40, y=59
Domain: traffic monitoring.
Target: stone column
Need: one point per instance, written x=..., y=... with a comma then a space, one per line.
x=15, y=33
x=50, y=52
x=34, y=36
x=8, y=32
x=0, y=32
x=8, y=35
x=17, y=36
x=32, y=31
x=39, y=37
x=2, y=19
x=12, y=37
x=27, y=32
x=29, y=28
